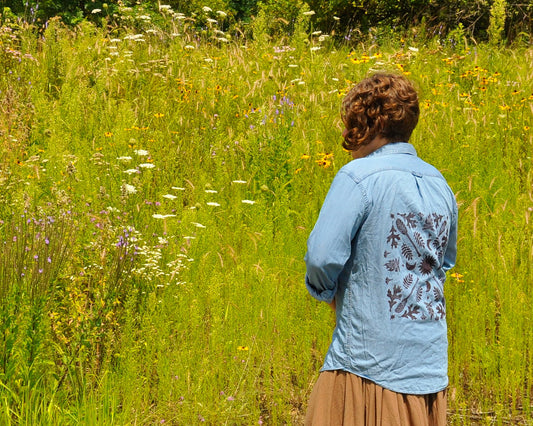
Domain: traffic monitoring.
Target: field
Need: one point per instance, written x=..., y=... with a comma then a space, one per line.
x=156, y=193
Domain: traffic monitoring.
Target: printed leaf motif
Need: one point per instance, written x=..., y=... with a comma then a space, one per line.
x=441, y=311
x=409, y=219
x=442, y=228
x=412, y=312
x=407, y=281
x=429, y=307
x=393, y=265
x=427, y=265
x=393, y=238
x=395, y=294
x=437, y=293
x=428, y=224
x=437, y=218
x=419, y=293
x=419, y=240
x=407, y=252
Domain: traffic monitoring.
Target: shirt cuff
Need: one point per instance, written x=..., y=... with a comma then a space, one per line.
x=326, y=295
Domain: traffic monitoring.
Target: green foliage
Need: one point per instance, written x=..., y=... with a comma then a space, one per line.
x=497, y=21
x=183, y=174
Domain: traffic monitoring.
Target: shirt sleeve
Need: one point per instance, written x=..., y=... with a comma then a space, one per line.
x=330, y=243
x=451, y=250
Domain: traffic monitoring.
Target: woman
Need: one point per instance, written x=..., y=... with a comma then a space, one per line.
x=378, y=254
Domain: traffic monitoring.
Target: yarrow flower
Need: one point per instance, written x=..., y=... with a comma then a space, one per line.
x=162, y=216
x=247, y=202
x=170, y=196
x=147, y=165
x=213, y=204
x=141, y=152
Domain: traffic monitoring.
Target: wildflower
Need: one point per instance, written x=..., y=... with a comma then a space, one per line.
x=309, y=13
x=147, y=165
x=124, y=158
x=198, y=225
x=211, y=191
x=159, y=115
x=413, y=49
x=141, y=152
x=336, y=18
x=207, y=9
x=129, y=189
x=305, y=156
x=170, y=196
x=162, y=216
x=315, y=48
x=230, y=398
x=212, y=21
x=221, y=13
x=131, y=171
x=247, y=201
x=178, y=188
x=108, y=134
x=239, y=181
x=95, y=11
x=242, y=348
x=213, y=204
x=189, y=47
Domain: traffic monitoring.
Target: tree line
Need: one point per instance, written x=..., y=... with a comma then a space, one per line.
x=481, y=19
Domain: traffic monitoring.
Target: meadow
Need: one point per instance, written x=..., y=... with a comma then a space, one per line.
x=157, y=189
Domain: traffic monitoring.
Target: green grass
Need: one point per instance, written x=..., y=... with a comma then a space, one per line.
x=203, y=315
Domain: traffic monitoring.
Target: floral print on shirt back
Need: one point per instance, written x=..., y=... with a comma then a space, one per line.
x=417, y=243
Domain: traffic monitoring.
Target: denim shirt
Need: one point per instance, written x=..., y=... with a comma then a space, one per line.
x=383, y=241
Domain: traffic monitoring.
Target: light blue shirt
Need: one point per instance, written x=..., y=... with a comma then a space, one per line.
x=383, y=241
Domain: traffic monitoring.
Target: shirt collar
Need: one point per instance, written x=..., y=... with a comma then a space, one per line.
x=394, y=148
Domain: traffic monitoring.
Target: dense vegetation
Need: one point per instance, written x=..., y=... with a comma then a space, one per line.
x=480, y=19
x=159, y=179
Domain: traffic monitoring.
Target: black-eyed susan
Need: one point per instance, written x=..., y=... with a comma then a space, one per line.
x=242, y=348
x=159, y=115
x=108, y=134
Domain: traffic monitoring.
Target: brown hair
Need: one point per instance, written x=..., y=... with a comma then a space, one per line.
x=383, y=104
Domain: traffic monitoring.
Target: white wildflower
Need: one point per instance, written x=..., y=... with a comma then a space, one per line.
x=131, y=171
x=207, y=9
x=221, y=13
x=336, y=18
x=413, y=49
x=247, y=202
x=198, y=225
x=170, y=196
x=293, y=66
x=115, y=40
x=165, y=7
x=189, y=47
x=316, y=33
x=213, y=204
x=223, y=39
x=147, y=165
x=124, y=158
x=162, y=216
x=239, y=181
x=315, y=48
x=129, y=189
x=211, y=191
x=187, y=237
x=212, y=21
x=309, y=13
x=178, y=188
x=141, y=152
x=94, y=11
x=144, y=17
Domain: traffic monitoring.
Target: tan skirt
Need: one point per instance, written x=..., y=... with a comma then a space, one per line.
x=341, y=398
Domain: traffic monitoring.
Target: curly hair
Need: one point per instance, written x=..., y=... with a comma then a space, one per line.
x=384, y=105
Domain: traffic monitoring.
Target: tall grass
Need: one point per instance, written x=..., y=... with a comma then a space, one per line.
x=188, y=172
